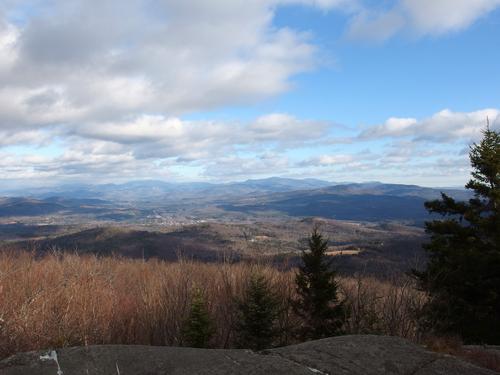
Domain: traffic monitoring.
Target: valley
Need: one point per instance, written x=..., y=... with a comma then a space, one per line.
x=372, y=228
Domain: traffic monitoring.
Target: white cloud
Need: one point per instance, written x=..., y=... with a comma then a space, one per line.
x=8, y=38
x=419, y=17
x=149, y=145
x=444, y=126
x=235, y=167
x=24, y=137
x=442, y=16
x=285, y=128
x=156, y=136
x=74, y=62
x=83, y=61
x=377, y=26
x=328, y=160
x=95, y=61
x=152, y=144
x=109, y=81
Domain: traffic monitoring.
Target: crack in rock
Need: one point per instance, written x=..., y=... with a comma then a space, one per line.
x=52, y=356
x=311, y=369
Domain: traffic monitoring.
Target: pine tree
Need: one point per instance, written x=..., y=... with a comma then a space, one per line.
x=258, y=310
x=198, y=327
x=462, y=277
x=318, y=304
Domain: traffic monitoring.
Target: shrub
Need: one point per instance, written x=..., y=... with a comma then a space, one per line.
x=257, y=311
x=198, y=327
x=70, y=300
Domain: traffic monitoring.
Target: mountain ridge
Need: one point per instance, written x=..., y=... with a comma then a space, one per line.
x=353, y=201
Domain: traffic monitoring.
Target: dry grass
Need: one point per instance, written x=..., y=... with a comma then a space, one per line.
x=70, y=300
x=383, y=307
x=481, y=356
x=342, y=252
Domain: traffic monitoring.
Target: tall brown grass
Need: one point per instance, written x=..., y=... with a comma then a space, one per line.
x=70, y=300
x=389, y=307
x=483, y=356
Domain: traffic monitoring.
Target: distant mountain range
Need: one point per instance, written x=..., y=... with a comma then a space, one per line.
x=151, y=189
x=359, y=202
x=20, y=206
x=27, y=207
x=372, y=201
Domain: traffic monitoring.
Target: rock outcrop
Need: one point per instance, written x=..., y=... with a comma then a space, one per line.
x=363, y=355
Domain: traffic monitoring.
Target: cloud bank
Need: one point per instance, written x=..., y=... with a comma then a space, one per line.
x=273, y=144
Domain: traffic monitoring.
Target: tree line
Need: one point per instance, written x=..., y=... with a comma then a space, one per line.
x=461, y=279
x=317, y=304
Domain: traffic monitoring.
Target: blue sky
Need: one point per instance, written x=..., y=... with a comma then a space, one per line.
x=344, y=90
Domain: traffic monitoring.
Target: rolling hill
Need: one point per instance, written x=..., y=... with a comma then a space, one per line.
x=359, y=202
x=276, y=196
x=21, y=206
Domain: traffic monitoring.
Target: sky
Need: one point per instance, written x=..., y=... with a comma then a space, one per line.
x=226, y=90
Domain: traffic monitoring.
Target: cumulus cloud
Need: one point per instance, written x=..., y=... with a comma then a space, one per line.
x=108, y=80
x=286, y=129
x=106, y=86
x=419, y=17
x=157, y=136
x=83, y=161
x=150, y=145
x=441, y=16
x=75, y=61
x=328, y=160
x=154, y=143
x=231, y=167
x=80, y=61
x=24, y=137
x=444, y=126
x=8, y=38
x=376, y=25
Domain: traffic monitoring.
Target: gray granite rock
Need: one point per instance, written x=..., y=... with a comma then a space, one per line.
x=338, y=355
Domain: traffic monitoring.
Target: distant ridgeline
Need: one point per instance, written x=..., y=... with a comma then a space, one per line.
x=359, y=202
x=276, y=196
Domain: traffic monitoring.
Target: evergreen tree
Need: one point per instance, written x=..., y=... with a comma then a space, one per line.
x=318, y=304
x=258, y=310
x=462, y=277
x=198, y=327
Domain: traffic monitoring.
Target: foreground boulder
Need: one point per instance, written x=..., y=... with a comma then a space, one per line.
x=363, y=355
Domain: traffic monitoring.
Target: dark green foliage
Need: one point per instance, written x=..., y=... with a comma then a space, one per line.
x=258, y=311
x=463, y=274
x=198, y=327
x=318, y=303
